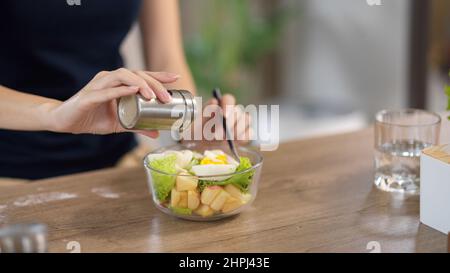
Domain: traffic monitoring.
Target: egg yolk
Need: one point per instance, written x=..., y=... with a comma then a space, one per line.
x=220, y=159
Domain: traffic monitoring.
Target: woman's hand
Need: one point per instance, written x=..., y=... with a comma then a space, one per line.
x=94, y=109
x=238, y=121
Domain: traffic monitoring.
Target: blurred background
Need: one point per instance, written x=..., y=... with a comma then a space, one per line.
x=330, y=65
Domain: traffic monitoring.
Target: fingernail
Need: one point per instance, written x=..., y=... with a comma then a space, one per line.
x=166, y=96
x=150, y=93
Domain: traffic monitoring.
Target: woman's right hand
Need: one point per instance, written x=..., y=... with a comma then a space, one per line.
x=94, y=109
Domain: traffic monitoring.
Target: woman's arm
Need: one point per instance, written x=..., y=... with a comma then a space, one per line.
x=163, y=43
x=91, y=110
x=21, y=111
x=163, y=48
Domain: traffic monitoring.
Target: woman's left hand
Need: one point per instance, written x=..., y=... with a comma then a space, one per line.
x=238, y=121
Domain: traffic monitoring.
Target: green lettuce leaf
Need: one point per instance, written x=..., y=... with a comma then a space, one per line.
x=242, y=180
x=182, y=211
x=193, y=162
x=163, y=183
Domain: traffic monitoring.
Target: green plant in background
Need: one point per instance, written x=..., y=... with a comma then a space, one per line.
x=231, y=40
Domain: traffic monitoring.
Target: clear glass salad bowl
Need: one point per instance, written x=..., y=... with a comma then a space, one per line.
x=185, y=193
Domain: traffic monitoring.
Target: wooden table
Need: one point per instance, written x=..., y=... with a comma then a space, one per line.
x=315, y=195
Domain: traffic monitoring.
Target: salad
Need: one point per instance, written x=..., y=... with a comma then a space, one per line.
x=205, y=184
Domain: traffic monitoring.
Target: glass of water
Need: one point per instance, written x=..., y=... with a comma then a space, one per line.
x=400, y=136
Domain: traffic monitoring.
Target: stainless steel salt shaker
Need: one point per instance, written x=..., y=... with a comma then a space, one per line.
x=23, y=238
x=136, y=112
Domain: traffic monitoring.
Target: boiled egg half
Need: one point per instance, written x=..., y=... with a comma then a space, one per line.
x=215, y=166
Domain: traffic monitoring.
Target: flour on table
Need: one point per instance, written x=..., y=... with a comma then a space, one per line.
x=105, y=193
x=36, y=199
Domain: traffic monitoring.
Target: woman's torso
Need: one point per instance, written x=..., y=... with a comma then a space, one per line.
x=52, y=48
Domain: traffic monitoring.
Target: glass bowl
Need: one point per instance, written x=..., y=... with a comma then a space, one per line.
x=236, y=200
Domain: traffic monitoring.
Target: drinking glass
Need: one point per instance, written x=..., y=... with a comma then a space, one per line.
x=400, y=136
